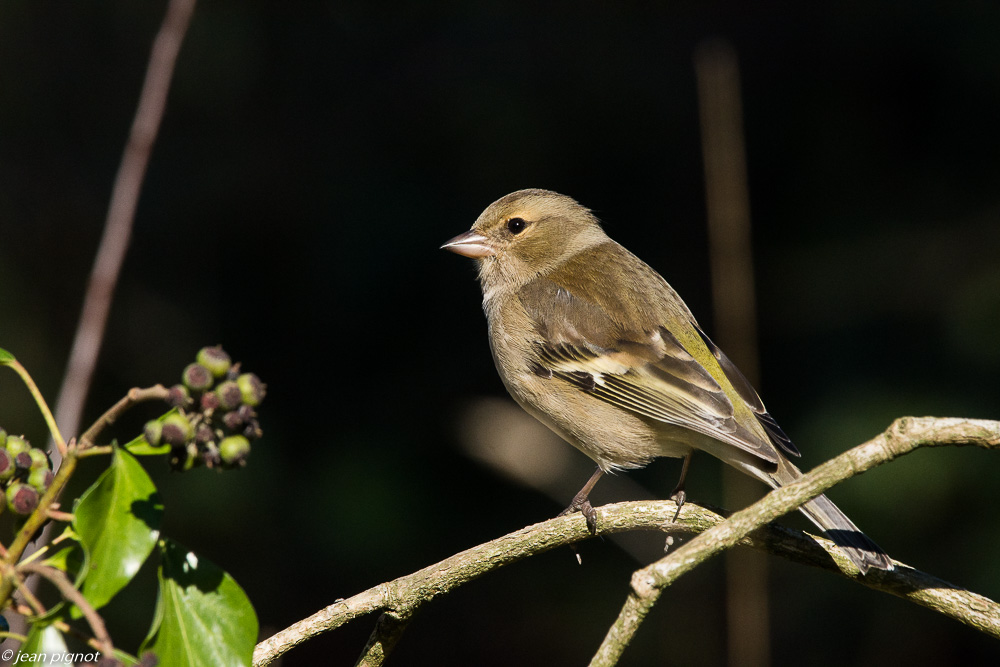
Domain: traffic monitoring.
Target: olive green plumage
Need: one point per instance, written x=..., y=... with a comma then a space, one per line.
x=596, y=345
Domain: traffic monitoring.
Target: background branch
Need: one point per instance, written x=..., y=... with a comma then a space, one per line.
x=734, y=319
x=403, y=596
x=117, y=233
x=121, y=216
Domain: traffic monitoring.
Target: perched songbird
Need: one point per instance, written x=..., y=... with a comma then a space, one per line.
x=597, y=346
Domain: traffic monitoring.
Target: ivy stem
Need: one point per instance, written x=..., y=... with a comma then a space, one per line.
x=42, y=405
x=8, y=578
x=135, y=395
x=68, y=591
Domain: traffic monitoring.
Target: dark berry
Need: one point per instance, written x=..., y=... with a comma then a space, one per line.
x=209, y=401
x=178, y=396
x=197, y=378
x=229, y=395
x=6, y=465
x=176, y=429
x=22, y=462
x=204, y=434
x=22, y=498
x=233, y=420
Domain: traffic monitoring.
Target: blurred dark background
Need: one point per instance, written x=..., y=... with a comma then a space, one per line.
x=315, y=155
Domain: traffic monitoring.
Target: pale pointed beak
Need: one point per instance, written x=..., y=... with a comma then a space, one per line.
x=470, y=244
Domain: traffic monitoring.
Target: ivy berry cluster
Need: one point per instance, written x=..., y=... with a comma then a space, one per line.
x=25, y=473
x=215, y=418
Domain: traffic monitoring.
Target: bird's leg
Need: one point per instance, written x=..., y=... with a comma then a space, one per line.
x=580, y=503
x=678, y=493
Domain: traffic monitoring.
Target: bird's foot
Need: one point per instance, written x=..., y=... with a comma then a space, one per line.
x=584, y=507
x=679, y=497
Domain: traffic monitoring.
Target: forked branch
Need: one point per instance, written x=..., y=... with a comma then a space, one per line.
x=402, y=597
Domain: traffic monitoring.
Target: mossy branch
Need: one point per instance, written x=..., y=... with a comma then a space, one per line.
x=401, y=597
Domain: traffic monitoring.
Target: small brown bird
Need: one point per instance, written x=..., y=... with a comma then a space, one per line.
x=598, y=347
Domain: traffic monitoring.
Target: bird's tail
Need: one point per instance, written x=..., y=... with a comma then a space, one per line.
x=862, y=551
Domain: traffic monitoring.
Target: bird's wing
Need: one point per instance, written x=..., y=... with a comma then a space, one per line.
x=646, y=370
x=750, y=397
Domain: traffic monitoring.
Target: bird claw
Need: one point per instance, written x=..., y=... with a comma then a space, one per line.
x=679, y=497
x=585, y=508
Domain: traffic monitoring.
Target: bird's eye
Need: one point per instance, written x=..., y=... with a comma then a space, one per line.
x=516, y=225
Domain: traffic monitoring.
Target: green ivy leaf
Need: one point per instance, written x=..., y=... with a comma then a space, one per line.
x=141, y=447
x=203, y=617
x=44, y=645
x=70, y=557
x=118, y=522
x=6, y=357
x=64, y=559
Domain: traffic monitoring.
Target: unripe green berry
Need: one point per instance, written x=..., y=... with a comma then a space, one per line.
x=251, y=388
x=153, y=432
x=6, y=465
x=229, y=395
x=40, y=479
x=38, y=459
x=3, y=438
x=22, y=498
x=215, y=359
x=176, y=429
x=197, y=378
x=17, y=444
x=234, y=450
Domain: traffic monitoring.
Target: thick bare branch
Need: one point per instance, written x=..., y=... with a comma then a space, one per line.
x=903, y=436
x=403, y=596
x=387, y=633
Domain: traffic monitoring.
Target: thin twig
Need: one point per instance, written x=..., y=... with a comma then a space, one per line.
x=135, y=395
x=68, y=591
x=42, y=405
x=36, y=605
